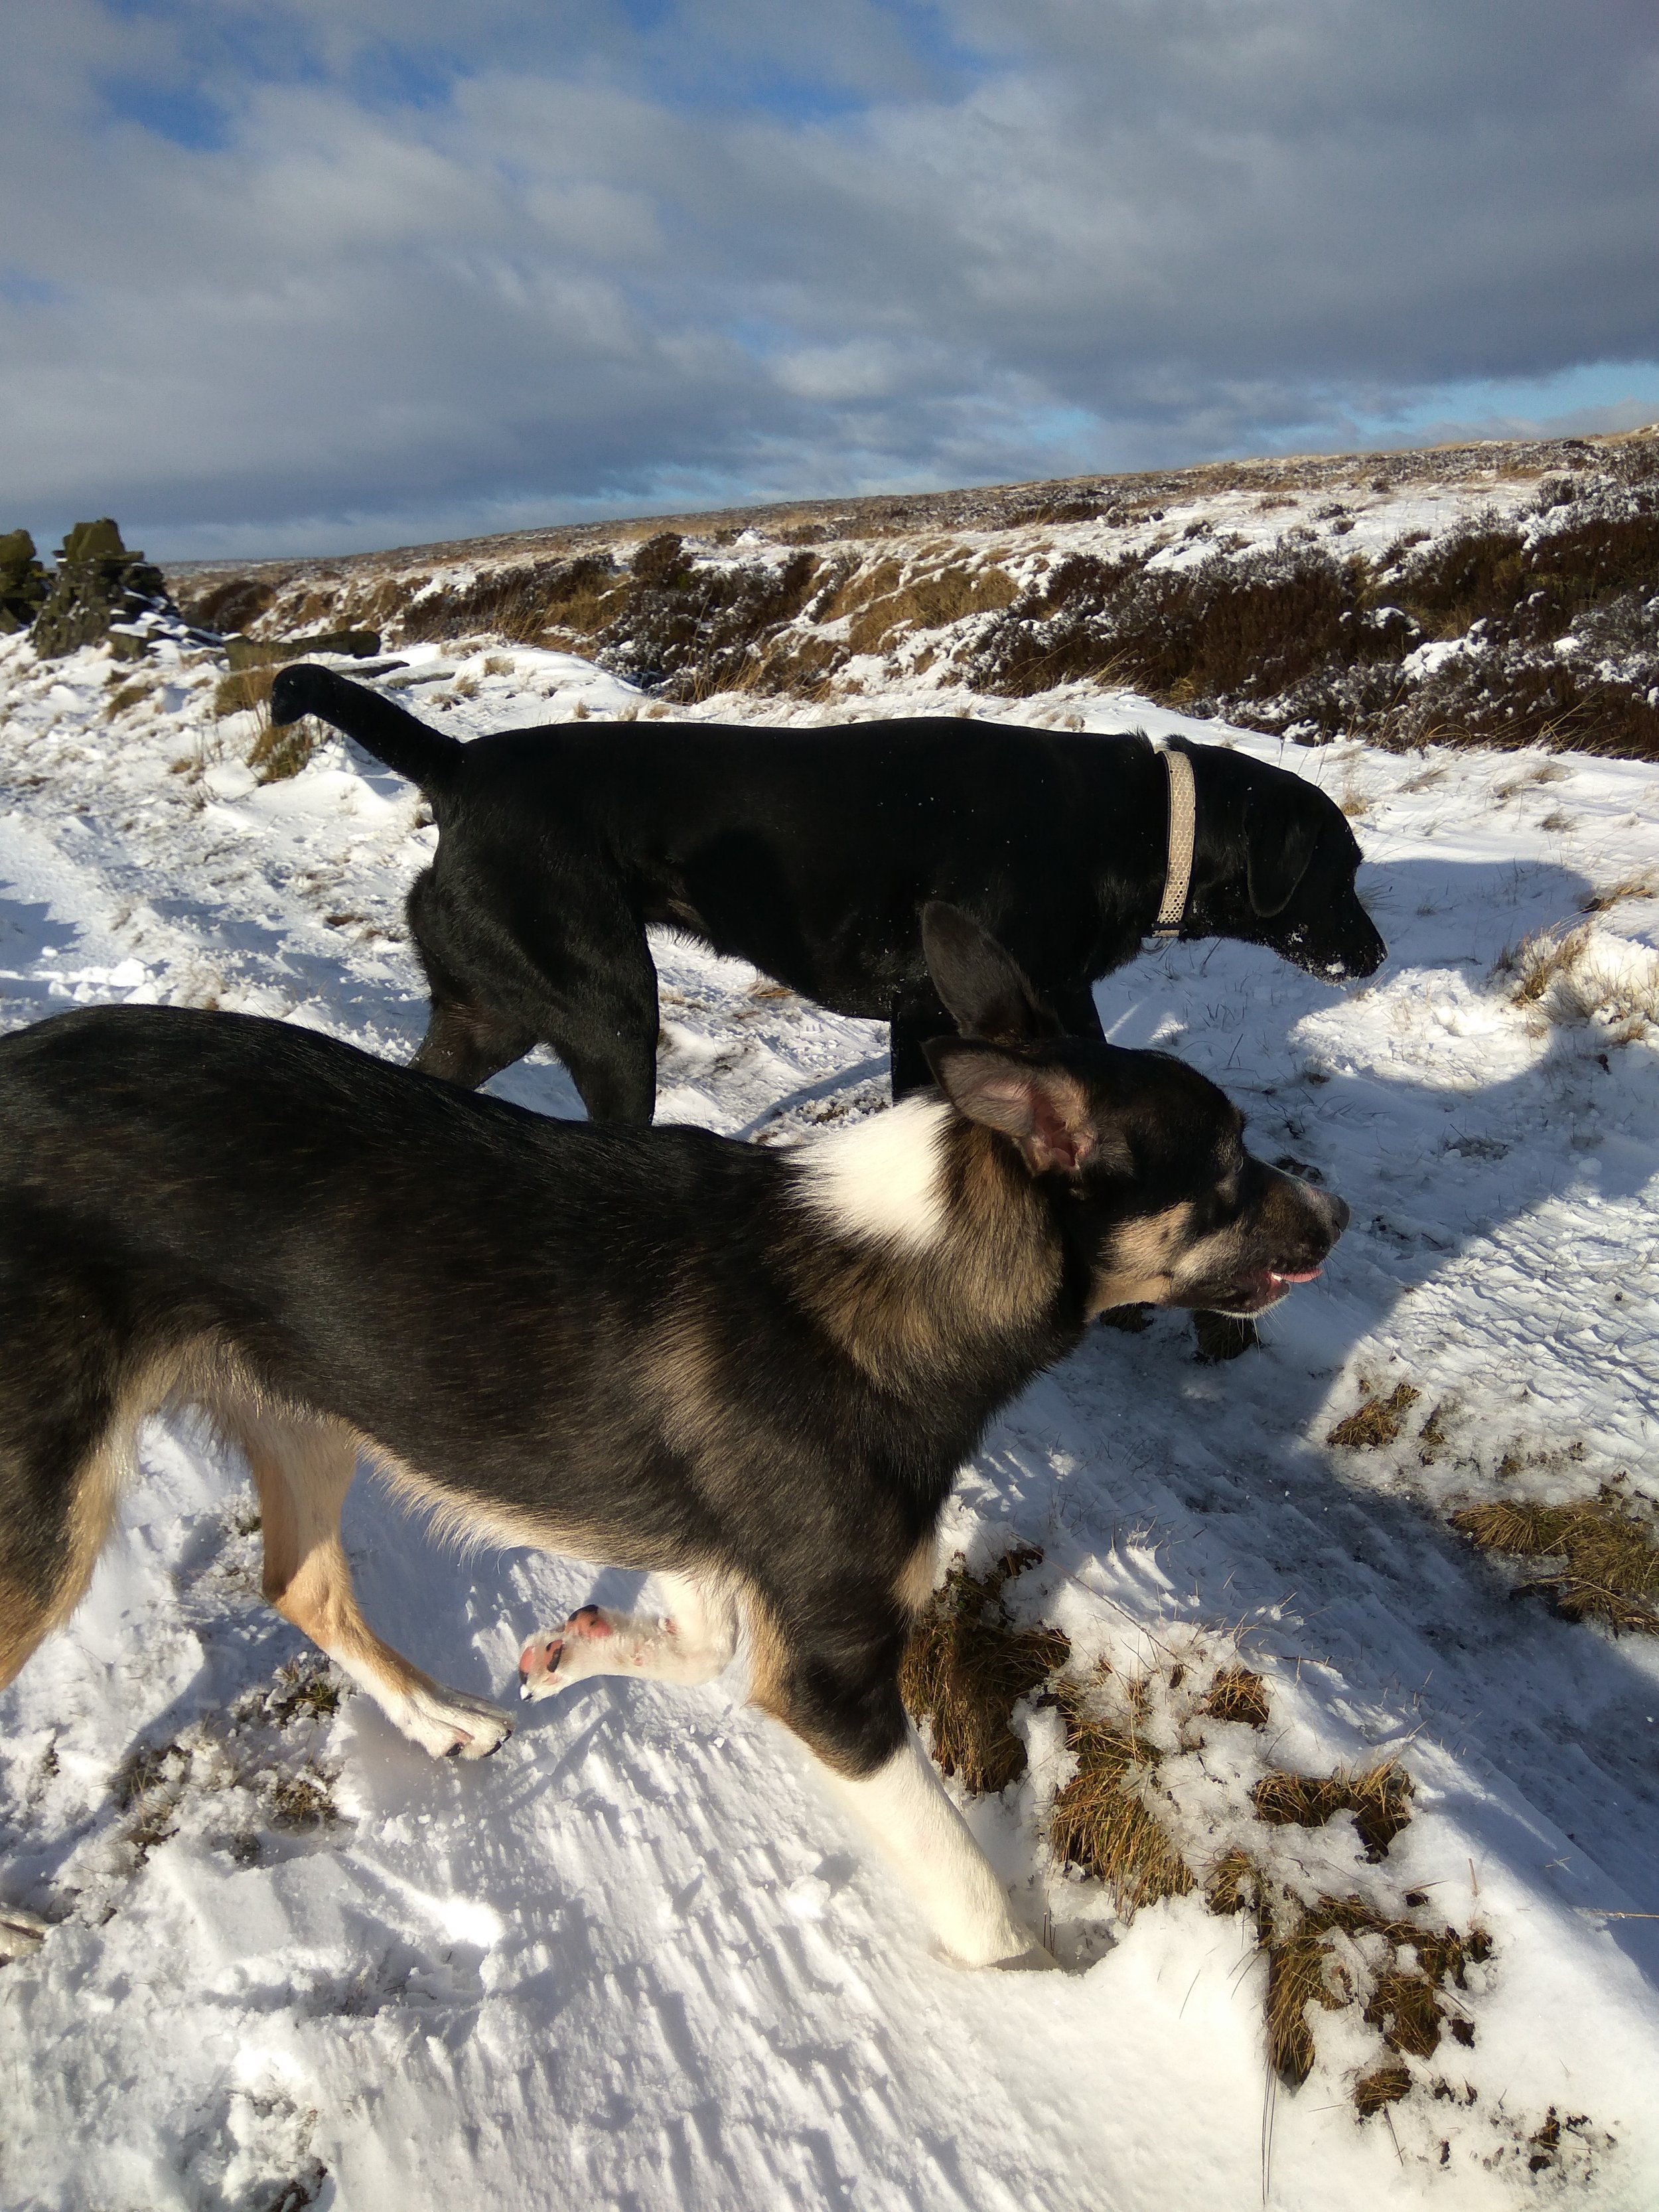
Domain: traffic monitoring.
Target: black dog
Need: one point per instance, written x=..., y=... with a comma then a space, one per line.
x=754, y=1372
x=810, y=853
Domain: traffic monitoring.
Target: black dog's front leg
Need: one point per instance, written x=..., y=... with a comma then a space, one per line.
x=917, y=1017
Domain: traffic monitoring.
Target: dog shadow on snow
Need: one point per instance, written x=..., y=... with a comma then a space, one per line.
x=1559, y=1715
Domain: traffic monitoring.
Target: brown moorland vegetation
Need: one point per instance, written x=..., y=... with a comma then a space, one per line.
x=1534, y=594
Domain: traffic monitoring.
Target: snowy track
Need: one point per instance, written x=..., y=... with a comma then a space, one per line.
x=638, y=1960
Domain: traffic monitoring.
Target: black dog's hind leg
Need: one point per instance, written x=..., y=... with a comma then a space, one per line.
x=571, y=969
x=470, y=1034
x=592, y=996
x=601, y=1016
x=612, y=1055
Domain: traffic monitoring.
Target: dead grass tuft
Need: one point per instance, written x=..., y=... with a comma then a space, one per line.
x=231, y=605
x=128, y=695
x=1354, y=802
x=1377, y=1422
x=1235, y=1885
x=888, y=607
x=279, y=750
x=967, y=1667
x=282, y=749
x=1237, y=1694
x=1432, y=1437
x=306, y=1689
x=244, y=692
x=1541, y=960
x=1405, y=2008
x=1569, y=979
x=1544, y=2144
x=1529, y=779
x=1134, y=1321
x=1298, y=1976
x=1379, y=1797
x=303, y=1799
x=1223, y=1336
x=148, y=1785
x=1628, y=887
x=150, y=1767
x=1101, y=1822
x=1384, y=2085
x=1339, y=1950
x=1609, y=1569
x=520, y=600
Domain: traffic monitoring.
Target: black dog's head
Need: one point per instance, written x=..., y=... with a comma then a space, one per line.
x=1274, y=863
x=1158, y=1197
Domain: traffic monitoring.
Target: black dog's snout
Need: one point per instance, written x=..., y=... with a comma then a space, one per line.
x=1330, y=1218
x=1312, y=1223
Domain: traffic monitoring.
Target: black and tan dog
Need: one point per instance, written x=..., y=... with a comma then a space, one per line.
x=810, y=852
x=754, y=1373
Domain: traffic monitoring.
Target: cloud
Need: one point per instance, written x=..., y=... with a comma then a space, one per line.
x=338, y=272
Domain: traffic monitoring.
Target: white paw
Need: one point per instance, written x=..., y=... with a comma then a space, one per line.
x=21, y=1934
x=593, y=1641
x=450, y=1724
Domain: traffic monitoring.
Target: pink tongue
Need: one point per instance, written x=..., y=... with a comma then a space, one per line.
x=1309, y=1275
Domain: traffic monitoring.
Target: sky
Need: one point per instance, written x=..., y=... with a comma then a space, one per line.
x=284, y=276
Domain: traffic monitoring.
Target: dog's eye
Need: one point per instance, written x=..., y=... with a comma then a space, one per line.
x=1220, y=1203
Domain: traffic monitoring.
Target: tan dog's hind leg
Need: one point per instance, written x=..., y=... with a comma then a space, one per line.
x=302, y=1469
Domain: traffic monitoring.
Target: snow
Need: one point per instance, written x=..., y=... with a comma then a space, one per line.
x=639, y=1959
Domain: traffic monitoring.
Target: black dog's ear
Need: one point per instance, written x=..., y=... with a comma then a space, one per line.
x=1042, y=1107
x=1279, y=841
x=984, y=990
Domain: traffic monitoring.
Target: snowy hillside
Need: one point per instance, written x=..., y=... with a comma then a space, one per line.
x=638, y=1960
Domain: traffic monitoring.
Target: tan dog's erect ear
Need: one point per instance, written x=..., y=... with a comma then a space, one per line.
x=983, y=986
x=1045, y=1109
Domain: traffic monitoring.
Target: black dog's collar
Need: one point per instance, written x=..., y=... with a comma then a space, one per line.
x=1183, y=823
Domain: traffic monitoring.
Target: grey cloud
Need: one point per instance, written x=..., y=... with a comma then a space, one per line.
x=598, y=271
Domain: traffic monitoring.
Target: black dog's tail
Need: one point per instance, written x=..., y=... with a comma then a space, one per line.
x=427, y=757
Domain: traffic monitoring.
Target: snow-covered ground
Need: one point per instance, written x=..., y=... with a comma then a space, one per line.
x=638, y=1960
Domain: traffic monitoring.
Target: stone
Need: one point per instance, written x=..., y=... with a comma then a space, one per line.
x=266, y=652
x=22, y=581
x=97, y=582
